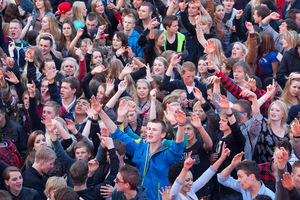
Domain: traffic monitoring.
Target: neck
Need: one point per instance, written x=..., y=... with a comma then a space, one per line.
x=154, y=147
x=48, y=56
x=203, y=74
x=37, y=167
x=191, y=142
x=169, y=34
x=133, y=125
x=146, y=21
x=228, y=10
x=128, y=32
x=275, y=125
x=15, y=192
x=121, y=163
x=227, y=132
x=185, y=194
x=157, y=47
x=68, y=39
x=130, y=194
x=80, y=187
x=68, y=101
x=18, y=40
x=80, y=117
x=42, y=11
x=143, y=101
x=192, y=19
x=254, y=189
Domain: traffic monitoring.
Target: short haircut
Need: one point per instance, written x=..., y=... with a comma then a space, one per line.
x=4, y=195
x=168, y=20
x=174, y=171
x=56, y=107
x=234, y=112
x=149, y=5
x=262, y=197
x=6, y=172
x=296, y=165
x=188, y=66
x=243, y=65
x=130, y=15
x=286, y=145
x=44, y=153
x=162, y=123
x=131, y=175
x=79, y=172
x=16, y=21
x=270, y=5
x=206, y=19
x=92, y=16
x=66, y=193
x=74, y=83
x=81, y=144
x=249, y=167
x=292, y=14
x=45, y=37
x=258, y=81
x=120, y=146
x=245, y=105
x=262, y=11
x=54, y=183
x=291, y=25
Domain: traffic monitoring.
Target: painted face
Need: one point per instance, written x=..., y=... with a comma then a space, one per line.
x=183, y=100
x=99, y=7
x=192, y=9
x=48, y=112
x=275, y=113
x=154, y=133
x=223, y=124
x=188, y=78
x=244, y=180
x=189, y=132
x=97, y=58
x=186, y=187
x=117, y=42
x=283, y=28
x=67, y=30
x=142, y=90
x=100, y=92
x=174, y=27
x=158, y=67
x=228, y=5
x=294, y=89
x=40, y=4
x=66, y=91
x=128, y=23
x=220, y=12
x=70, y=68
x=237, y=51
x=83, y=48
x=39, y=141
x=160, y=40
x=239, y=75
x=81, y=106
x=47, y=165
x=15, y=30
x=143, y=133
x=82, y=154
x=45, y=24
x=200, y=113
x=15, y=181
x=132, y=117
x=202, y=67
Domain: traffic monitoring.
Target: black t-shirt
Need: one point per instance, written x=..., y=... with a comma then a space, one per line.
x=172, y=46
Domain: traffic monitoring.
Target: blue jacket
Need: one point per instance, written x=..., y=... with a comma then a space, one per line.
x=153, y=168
x=133, y=39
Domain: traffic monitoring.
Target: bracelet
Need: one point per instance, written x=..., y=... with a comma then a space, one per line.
x=175, y=124
x=132, y=57
x=229, y=115
x=92, y=120
x=296, y=136
x=181, y=125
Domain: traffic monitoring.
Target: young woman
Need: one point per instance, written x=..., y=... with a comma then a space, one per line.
x=289, y=40
x=115, y=69
x=14, y=184
x=12, y=12
x=290, y=95
x=184, y=102
x=67, y=36
x=160, y=66
x=40, y=9
x=79, y=13
x=273, y=130
x=50, y=25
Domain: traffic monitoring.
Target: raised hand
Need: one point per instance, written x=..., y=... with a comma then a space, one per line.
x=195, y=120
x=287, y=181
x=182, y=6
x=165, y=193
x=251, y=83
x=95, y=104
x=79, y=32
x=169, y=114
x=78, y=52
x=175, y=60
x=50, y=74
x=153, y=94
x=237, y=159
x=239, y=14
x=153, y=23
x=130, y=53
x=121, y=51
x=8, y=61
x=224, y=102
x=107, y=142
x=282, y=157
x=29, y=54
x=225, y=152
x=180, y=117
x=198, y=94
x=295, y=128
x=275, y=16
x=50, y=126
x=248, y=94
x=70, y=125
x=122, y=85
x=131, y=106
x=98, y=70
x=11, y=77
x=123, y=108
x=212, y=66
x=189, y=162
x=89, y=46
x=109, y=86
x=91, y=112
x=93, y=165
x=31, y=89
x=213, y=79
x=249, y=27
x=209, y=47
x=271, y=89
x=11, y=47
x=127, y=69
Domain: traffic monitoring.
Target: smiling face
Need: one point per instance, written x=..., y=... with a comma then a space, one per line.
x=142, y=90
x=39, y=141
x=15, y=181
x=220, y=12
x=186, y=187
x=158, y=67
x=45, y=46
x=143, y=133
x=160, y=40
x=97, y=58
x=228, y=4
x=284, y=43
x=40, y=4
x=202, y=66
x=99, y=7
x=294, y=89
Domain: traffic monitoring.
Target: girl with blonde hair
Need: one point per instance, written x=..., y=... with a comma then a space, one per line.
x=79, y=13
x=50, y=25
x=291, y=92
x=289, y=40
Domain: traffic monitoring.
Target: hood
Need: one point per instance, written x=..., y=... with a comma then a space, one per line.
x=141, y=193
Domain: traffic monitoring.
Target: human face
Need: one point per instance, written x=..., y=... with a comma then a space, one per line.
x=137, y=3
x=200, y=113
x=144, y=13
x=40, y=4
x=69, y=68
x=90, y=25
x=225, y=70
x=15, y=31
x=224, y=124
x=243, y=116
x=189, y=132
x=296, y=174
x=188, y=78
x=66, y=91
x=68, y=15
x=186, y=187
x=143, y=133
x=83, y=48
x=99, y=7
x=67, y=30
x=228, y=4
x=154, y=133
x=128, y=23
x=158, y=67
x=284, y=43
x=45, y=47
x=183, y=100
x=160, y=40
x=209, y=95
x=39, y=141
x=174, y=27
x=26, y=101
x=117, y=42
x=45, y=24
x=47, y=165
x=239, y=75
x=48, y=112
x=244, y=180
x=15, y=181
x=82, y=154
x=298, y=19
x=132, y=117
x=120, y=183
x=256, y=18
x=275, y=113
x=237, y=51
x=205, y=28
x=220, y=12
x=84, y=12
x=100, y=92
x=192, y=9
x=44, y=89
x=283, y=28
x=97, y=58
x=142, y=90
x=202, y=67
x=81, y=106
x=294, y=89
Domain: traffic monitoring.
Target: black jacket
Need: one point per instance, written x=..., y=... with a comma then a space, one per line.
x=141, y=194
x=26, y=194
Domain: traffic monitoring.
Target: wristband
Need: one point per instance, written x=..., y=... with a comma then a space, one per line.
x=229, y=115
x=296, y=137
x=92, y=120
x=118, y=123
x=181, y=125
x=175, y=124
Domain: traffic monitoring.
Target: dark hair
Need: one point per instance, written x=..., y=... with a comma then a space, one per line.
x=31, y=37
x=217, y=4
x=168, y=20
x=292, y=14
x=66, y=193
x=4, y=195
x=258, y=81
x=63, y=40
x=174, y=171
x=162, y=123
x=243, y=65
x=229, y=62
x=267, y=82
x=127, y=11
x=286, y=145
x=149, y=5
x=47, y=38
x=270, y=5
x=123, y=37
x=79, y=172
x=262, y=197
x=74, y=83
x=249, y=167
x=245, y=105
x=262, y=11
x=131, y=175
x=120, y=146
x=291, y=25
x=91, y=16
x=234, y=112
x=267, y=43
x=12, y=12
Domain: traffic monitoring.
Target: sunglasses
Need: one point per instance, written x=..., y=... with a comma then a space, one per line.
x=118, y=180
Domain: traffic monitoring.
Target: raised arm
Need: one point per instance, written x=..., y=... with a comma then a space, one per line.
x=227, y=171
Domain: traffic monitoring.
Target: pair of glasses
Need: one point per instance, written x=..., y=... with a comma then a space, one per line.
x=118, y=180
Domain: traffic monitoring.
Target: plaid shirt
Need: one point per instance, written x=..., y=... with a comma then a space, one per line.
x=235, y=90
x=266, y=172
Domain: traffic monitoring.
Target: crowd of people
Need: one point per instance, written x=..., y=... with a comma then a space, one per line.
x=150, y=99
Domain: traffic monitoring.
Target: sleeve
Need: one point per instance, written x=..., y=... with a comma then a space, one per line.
x=143, y=41
x=54, y=93
x=230, y=182
x=230, y=85
x=187, y=24
x=26, y=5
x=162, y=9
x=62, y=156
x=66, y=143
x=283, y=71
x=167, y=85
x=35, y=120
x=281, y=192
x=203, y=179
x=175, y=190
x=82, y=70
x=85, y=85
x=173, y=153
x=138, y=74
x=255, y=126
x=8, y=99
x=213, y=119
x=237, y=135
x=276, y=36
x=101, y=155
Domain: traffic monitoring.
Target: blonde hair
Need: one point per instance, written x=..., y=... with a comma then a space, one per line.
x=130, y=84
x=135, y=96
x=44, y=153
x=76, y=66
x=53, y=27
x=291, y=38
x=206, y=19
x=286, y=91
x=54, y=183
x=77, y=9
x=245, y=50
x=284, y=110
x=217, y=55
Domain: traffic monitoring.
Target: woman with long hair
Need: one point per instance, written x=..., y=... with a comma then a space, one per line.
x=289, y=40
x=115, y=69
x=12, y=12
x=50, y=25
x=68, y=33
x=79, y=13
x=290, y=95
x=98, y=8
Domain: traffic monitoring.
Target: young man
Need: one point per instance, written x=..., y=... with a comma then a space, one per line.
x=294, y=14
x=33, y=176
x=91, y=23
x=151, y=159
x=145, y=13
x=65, y=12
x=262, y=12
x=127, y=182
x=248, y=182
x=174, y=40
x=133, y=35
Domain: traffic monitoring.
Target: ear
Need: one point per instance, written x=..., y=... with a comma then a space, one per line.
x=74, y=90
x=127, y=185
x=163, y=135
x=6, y=182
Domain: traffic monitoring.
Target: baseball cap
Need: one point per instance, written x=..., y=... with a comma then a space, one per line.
x=63, y=8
